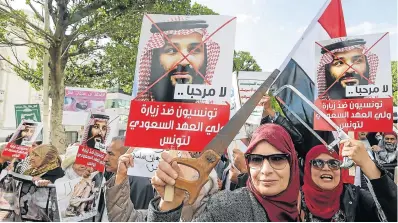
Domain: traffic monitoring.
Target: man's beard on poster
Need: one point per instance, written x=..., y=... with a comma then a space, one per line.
x=337, y=91
x=163, y=90
x=93, y=140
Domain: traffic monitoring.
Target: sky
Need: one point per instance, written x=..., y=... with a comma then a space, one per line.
x=269, y=29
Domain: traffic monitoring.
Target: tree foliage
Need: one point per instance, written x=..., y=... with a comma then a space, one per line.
x=244, y=61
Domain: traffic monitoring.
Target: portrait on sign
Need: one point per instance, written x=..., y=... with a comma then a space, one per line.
x=354, y=83
x=96, y=131
x=353, y=67
x=181, y=52
x=26, y=133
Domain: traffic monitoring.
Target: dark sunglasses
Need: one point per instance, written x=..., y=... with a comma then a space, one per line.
x=276, y=161
x=319, y=164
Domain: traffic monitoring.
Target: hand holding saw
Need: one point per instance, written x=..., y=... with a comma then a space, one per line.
x=209, y=158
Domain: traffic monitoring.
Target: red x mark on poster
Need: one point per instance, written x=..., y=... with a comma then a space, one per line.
x=356, y=114
x=175, y=125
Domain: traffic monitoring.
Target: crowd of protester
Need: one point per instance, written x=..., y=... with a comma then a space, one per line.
x=276, y=179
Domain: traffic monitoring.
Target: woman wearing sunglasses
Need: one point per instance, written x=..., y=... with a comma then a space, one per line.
x=325, y=198
x=270, y=195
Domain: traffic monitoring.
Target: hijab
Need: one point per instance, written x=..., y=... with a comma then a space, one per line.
x=283, y=206
x=321, y=203
x=50, y=160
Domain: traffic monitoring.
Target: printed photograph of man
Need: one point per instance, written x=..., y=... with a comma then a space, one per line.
x=26, y=133
x=96, y=131
x=160, y=56
x=334, y=68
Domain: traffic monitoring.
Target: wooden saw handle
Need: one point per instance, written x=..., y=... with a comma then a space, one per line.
x=204, y=165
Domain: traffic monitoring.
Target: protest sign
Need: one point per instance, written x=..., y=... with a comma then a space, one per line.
x=79, y=102
x=22, y=139
x=78, y=199
x=27, y=112
x=184, y=71
x=146, y=162
x=248, y=83
x=354, y=83
x=91, y=152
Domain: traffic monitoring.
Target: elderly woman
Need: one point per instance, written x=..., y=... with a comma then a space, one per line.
x=121, y=209
x=270, y=195
x=325, y=197
x=45, y=165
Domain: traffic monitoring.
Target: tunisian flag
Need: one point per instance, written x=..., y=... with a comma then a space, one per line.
x=298, y=70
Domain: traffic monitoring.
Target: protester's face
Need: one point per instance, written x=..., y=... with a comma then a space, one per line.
x=28, y=132
x=79, y=169
x=362, y=135
x=169, y=56
x=114, y=151
x=325, y=178
x=267, y=180
x=98, y=130
x=390, y=139
x=352, y=76
x=35, y=160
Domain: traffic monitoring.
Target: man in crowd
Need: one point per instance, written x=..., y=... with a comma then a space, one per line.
x=161, y=56
x=386, y=151
x=334, y=74
x=141, y=191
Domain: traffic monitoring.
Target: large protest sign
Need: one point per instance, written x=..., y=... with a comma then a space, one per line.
x=182, y=81
x=27, y=112
x=91, y=152
x=354, y=83
x=22, y=139
x=79, y=102
x=78, y=199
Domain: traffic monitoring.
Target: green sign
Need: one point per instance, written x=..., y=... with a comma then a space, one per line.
x=27, y=112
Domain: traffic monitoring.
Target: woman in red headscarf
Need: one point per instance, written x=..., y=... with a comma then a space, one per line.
x=270, y=195
x=325, y=198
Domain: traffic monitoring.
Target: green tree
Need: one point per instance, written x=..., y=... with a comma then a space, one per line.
x=394, y=72
x=90, y=43
x=244, y=61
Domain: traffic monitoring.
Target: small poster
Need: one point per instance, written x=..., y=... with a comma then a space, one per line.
x=146, y=162
x=78, y=199
x=91, y=152
x=354, y=83
x=22, y=139
x=27, y=112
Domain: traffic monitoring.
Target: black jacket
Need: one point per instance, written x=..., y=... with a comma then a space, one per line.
x=358, y=204
x=53, y=175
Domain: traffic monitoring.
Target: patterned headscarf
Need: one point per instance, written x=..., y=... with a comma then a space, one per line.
x=50, y=160
x=158, y=41
x=92, y=120
x=327, y=58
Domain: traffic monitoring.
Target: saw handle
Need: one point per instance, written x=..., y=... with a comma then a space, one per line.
x=204, y=165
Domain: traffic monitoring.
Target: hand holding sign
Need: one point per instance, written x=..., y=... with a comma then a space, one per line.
x=125, y=161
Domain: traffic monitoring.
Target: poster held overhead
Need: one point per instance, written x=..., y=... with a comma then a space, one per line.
x=91, y=152
x=354, y=83
x=22, y=139
x=27, y=112
x=182, y=82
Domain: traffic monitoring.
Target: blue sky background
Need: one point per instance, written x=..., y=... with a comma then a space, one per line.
x=268, y=29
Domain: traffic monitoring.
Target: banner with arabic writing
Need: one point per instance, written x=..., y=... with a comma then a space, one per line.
x=185, y=62
x=248, y=83
x=79, y=102
x=354, y=83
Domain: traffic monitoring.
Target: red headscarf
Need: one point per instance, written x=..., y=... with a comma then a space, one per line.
x=321, y=203
x=281, y=207
x=390, y=133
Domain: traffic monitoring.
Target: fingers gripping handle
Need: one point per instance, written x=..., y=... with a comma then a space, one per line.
x=204, y=165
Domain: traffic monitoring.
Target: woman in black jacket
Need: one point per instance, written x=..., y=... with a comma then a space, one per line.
x=325, y=198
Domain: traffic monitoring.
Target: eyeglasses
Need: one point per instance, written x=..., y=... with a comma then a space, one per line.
x=276, y=161
x=319, y=164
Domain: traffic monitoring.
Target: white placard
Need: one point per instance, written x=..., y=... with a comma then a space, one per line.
x=146, y=162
